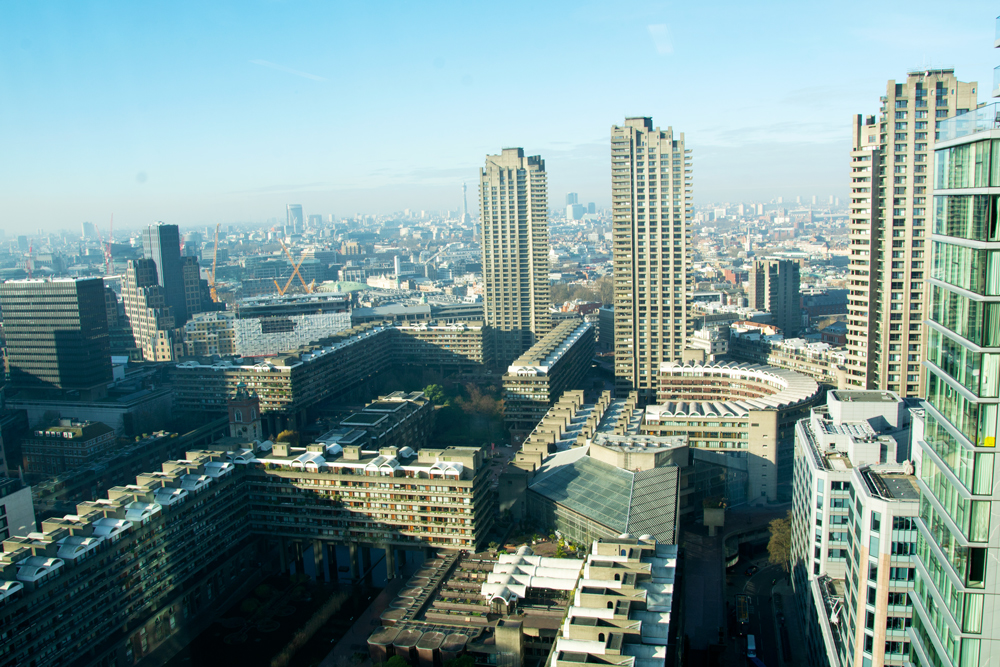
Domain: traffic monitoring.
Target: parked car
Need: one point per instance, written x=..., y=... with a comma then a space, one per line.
x=752, y=570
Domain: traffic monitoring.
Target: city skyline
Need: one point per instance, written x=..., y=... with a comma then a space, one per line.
x=258, y=108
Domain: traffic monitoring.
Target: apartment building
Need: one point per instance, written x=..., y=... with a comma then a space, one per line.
x=556, y=363
x=612, y=605
x=154, y=322
x=465, y=348
x=774, y=287
x=291, y=383
x=744, y=413
x=651, y=258
x=390, y=497
x=854, y=535
x=66, y=445
x=136, y=565
x=208, y=334
x=142, y=564
x=820, y=361
x=889, y=228
x=515, y=244
x=958, y=546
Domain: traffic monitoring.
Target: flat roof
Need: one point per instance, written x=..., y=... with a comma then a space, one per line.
x=865, y=396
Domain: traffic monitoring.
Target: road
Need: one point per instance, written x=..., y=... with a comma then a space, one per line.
x=762, y=620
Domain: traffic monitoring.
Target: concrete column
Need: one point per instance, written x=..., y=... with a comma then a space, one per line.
x=332, y=573
x=353, y=548
x=282, y=554
x=366, y=559
x=390, y=563
x=318, y=558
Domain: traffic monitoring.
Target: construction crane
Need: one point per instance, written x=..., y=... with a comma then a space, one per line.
x=295, y=272
x=215, y=257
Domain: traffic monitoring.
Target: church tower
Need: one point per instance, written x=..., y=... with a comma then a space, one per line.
x=244, y=415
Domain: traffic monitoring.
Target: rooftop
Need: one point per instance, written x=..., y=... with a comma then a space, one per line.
x=862, y=396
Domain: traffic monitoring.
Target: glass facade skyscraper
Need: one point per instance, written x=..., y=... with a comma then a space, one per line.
x=162, y=244
x=957, y=560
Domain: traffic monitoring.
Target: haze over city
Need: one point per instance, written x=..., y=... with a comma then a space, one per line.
x=195, y=113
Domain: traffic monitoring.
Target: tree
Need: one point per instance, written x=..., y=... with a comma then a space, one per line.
x=461, y=661
x=779, y=548
x=605, y=288
x=559, y=293
x=435, y=393
x=396, y=661
x=289, y=436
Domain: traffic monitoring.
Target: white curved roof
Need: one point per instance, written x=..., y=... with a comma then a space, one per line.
x=790, y=388
x=75, y=546
x=308, y=459
x=36, y=567
x=514, y=574
x=195, y=482
x=108, y=527
x=8, y=588
x=141, y=511
x=218, y=468
x=167, y=496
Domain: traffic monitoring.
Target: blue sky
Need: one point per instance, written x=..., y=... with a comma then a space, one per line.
x=210, y=112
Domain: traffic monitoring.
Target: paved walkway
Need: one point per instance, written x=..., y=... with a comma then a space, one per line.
x=362, y=629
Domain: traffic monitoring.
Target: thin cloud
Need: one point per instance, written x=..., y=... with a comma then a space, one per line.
x=289, y=70
x=660, y=32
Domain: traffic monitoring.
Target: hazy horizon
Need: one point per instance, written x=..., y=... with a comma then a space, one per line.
x=196, y=114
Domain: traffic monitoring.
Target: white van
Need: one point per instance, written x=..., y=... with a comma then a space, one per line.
x=751, y=647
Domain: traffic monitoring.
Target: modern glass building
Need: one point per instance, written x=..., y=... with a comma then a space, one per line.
x=955, y=597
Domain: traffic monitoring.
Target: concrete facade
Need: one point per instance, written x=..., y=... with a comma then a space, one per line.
x=651, y=232
x=889, y=227
x=515, y=245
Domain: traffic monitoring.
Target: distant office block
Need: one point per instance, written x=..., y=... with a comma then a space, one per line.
x=572, y=198
x=162, y=244
x=66, y=445
x=56, y=333
x=774, y=287
x=591, y=208
x=295, y=220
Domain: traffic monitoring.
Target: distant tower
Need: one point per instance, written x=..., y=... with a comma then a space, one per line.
x=295, y=221
x=244, y=415
x=465, y=212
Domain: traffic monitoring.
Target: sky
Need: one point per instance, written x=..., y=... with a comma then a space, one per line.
x=201, y=112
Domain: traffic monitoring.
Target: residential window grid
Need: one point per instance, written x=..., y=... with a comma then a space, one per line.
x=651, y=209
x=515, y=247
x=891, y=170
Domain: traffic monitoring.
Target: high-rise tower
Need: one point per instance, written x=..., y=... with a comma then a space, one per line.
x=651, y=206
x=162, y=244
x=891, y=170
x=515, y=245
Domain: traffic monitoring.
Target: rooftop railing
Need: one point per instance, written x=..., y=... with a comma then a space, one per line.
x=976, y=120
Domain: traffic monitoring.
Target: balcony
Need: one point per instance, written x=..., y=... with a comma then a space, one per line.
x=982, y=119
